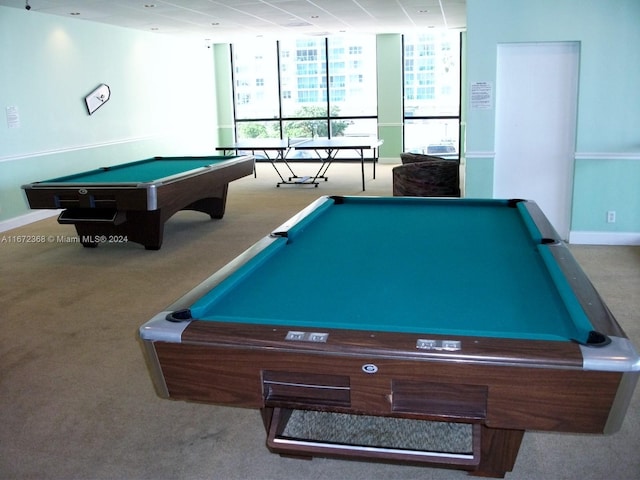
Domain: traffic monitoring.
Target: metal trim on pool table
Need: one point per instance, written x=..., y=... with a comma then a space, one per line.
x=363, y=448
x=619, y=356
x=301, y=215
x=159, y=329
x=196, y=171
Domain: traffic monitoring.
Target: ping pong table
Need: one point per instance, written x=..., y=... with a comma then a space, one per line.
x=325, y=148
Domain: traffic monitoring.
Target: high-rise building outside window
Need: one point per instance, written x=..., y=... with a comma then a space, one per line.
x=304, y=87
x=432, y=93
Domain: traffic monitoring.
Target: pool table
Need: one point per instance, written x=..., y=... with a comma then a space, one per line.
x=132, y=201
x=418, y=319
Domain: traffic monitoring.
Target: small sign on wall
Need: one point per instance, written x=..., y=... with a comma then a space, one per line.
x=481, y=96
x=13, y=117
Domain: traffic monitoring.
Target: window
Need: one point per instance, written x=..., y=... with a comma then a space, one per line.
x=256, y=81
x=337, y=81
x=306, y=70
x=432, y=93
x=357, y=75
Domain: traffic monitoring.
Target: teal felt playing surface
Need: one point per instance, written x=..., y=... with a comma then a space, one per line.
x=476, y=268
x=142, y=171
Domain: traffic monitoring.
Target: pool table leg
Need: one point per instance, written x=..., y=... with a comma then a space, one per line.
x=498, y=451
x=213, y=205
x=144, y=227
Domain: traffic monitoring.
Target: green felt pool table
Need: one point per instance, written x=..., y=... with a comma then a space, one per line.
x=132, y=201
x=467, y=313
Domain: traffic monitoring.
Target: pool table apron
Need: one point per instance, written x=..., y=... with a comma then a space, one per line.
x=512, y=395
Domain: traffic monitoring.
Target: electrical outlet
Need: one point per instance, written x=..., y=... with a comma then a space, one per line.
x=611, y=216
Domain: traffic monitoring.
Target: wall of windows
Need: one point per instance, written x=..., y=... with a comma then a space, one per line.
x=305, y=87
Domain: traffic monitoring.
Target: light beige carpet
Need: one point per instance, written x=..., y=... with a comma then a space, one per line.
x=76, y=401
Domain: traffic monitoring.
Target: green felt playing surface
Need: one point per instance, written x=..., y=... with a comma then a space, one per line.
x=403, y=265
x=142, y=171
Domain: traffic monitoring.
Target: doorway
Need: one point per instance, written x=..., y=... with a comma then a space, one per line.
x=536, y=114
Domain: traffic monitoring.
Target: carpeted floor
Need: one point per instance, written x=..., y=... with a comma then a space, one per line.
x=76, y=401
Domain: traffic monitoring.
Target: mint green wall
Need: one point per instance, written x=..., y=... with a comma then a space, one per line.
x=161, y=101
x=224, y=94
x=389, y=78
x=619, y=193
x=607, y=167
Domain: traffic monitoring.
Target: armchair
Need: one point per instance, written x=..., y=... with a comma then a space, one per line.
x=426, y=176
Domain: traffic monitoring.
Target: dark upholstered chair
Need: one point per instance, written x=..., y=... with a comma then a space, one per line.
x=417, y=157
x=426, y=176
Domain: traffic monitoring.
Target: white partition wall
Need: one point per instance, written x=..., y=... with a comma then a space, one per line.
x=536, y=99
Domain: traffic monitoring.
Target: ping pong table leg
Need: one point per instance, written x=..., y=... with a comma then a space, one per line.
x=375, y=160
x=279, y=156
x=362, y=167
x=326, y=163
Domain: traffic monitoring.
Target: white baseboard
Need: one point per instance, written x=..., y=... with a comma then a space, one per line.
x=27, y=219
x=604, y=238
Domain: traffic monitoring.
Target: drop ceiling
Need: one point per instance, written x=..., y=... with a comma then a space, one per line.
x=224, y=20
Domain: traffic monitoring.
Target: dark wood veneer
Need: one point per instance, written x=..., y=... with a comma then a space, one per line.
x=501, y=400
x=388, y=344
x=517, y=397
